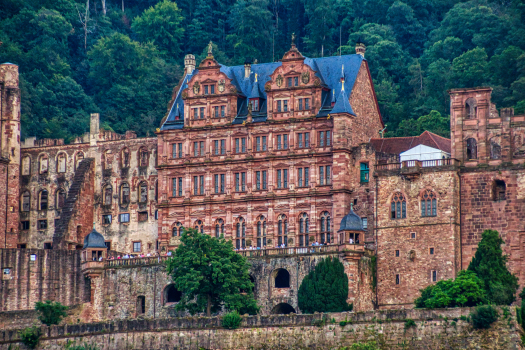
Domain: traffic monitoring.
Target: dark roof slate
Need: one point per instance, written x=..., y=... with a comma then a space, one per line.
x=94, y=240
x=351, y=222
x=397, y=145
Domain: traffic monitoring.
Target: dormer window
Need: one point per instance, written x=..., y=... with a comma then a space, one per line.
x=255, y=104
x=293, y=81
x=209, y=89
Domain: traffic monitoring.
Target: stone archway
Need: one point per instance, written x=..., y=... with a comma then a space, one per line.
x=282, y=309
x=282, y=279
x=171, y=294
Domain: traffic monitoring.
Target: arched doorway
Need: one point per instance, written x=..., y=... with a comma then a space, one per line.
x=282, y=279
x=171, y=294
x=282, y=309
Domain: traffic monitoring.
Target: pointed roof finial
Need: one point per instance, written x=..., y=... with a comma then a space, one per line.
x=293, y=39
x=210, y=48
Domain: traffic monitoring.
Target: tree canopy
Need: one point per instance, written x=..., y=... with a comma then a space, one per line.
x=122, y=58
x=210, y=275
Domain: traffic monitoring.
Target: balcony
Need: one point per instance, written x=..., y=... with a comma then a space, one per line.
x=416, y=167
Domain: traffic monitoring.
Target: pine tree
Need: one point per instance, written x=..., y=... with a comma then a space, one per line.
x=325, y=289
x=489, y=264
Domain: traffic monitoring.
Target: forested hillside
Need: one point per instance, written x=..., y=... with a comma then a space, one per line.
x=122, y=58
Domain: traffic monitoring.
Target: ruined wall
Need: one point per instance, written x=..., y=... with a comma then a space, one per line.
x=411, y=248
x=434, y=329
x=31, y=275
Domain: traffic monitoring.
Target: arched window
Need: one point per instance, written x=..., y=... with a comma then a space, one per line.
x=141, y=304
x=78, y=158
x=172, y=294
x=199, y=226
x=495, y=149
x=326, y=227
x=43, y=200
x=143, y=192
x=43, y=161
x=398, y=206
x=240, y=233
x=61, y=163
x=124, y=194
x=125, y=157
x=304, y=229
x=282, y=230
x=177, y=230
x=26, y=165
x=499, y=189
x=428, y=204
x=261, y=232
x=61, y=198
x=472, y=148
x=26, y=201
x=107, y=195
x=143, y=157
x=471, y=107
x=282, y=279
x=219, y=228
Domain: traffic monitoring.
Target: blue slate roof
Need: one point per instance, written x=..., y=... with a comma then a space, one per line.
x=94, y=240
x=351, y=222
x=328, y=69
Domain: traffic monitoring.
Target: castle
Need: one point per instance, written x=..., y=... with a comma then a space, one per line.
x=275, y=156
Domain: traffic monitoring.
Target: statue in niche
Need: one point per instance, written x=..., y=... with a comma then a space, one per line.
x=196, y=88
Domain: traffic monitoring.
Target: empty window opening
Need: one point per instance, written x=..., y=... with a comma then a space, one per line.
x=397, y=253
x=282, y=279
x=398, y=279
x=141, y=304
x=499, y=189
x=472, y=149
x=283, y=309
x=471, y=107
x=172, y=295
x=431, y=251
x=495, y=150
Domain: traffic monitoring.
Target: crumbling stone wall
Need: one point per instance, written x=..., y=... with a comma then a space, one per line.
x=31, y=275
x=434, y=329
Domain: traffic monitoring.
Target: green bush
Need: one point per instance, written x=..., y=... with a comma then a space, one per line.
x=483, y=316
x=365, y=346
x=325, y=289
x=50, y=312
x=231, y=320
x=409, y=323
x=345, y=322
x=73, y=346
x=30, y=336
x=465, y=290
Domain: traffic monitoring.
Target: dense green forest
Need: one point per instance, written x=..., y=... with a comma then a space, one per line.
x=122, y=58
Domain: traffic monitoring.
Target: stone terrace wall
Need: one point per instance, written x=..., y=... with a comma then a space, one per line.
x=434, y=330
x=53, y=275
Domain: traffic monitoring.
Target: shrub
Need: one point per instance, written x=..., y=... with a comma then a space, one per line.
x=30, y=336
x=50, y=312
x=325, y=289
x=345, y=322
x=409, y=323
x=465, y=290
x=231, y=320
x=365, y=346
x=73, y=346
x=483, y=316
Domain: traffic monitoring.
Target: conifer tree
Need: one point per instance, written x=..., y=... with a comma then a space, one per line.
x=325, y=289
x=489, y=264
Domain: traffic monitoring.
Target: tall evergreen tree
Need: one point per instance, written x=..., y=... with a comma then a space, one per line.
x=489, y=264
x=325, y=289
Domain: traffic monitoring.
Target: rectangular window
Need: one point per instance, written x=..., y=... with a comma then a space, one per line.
x=321, y=175
x=306, y=139
x=306, y=103
x=136, y=247
x=243, y=182
x=25, y=225
x=300, y=104
x=296, y=81
x=431, y=251
x=216, y=147
x=174, y=187
x=398, y=279
x=285, y=178
x=255, y=106
x=328, y=174
x=300, y=177
x=278, y=178
x=321, y=138
x=143, y=216
x=124, y=217
x=365, y=172
x=243, y=144
x=279, y=106
x=397, y=253
x=223, y=146
x=289, y=82
x=306, y=177
x=195, y=149
x=264, y=179
x=202, y=148
x=212, y=88
x=237, y=149
x=222, y=111
x=195, y=185
x=285, y=105
x=365, y=223
x=258, y=180
x=201, y=187
x=300, y=140
x=205, y=89
x=42, y=224
x=179, y=146
x=237, y=182
x=195, y=113
x=202, y=112
x=279, y=145
x=216, y=110
x=285, y=141
x=223, y=183
x=264, y=143
x=434, y=276
x=413, y=235
x=258, y=143
x=180, y=186
x=216, y=182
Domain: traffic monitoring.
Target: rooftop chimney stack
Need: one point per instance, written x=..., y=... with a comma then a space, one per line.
x=247, y=69
x=189, y=64
x=360, y=47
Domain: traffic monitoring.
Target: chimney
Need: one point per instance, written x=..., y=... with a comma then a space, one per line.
x=189, y=64
x=94, y=129
x=360, y=47
x=247, y=69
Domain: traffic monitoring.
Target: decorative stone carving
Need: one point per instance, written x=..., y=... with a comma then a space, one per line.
x=196, y=88
x=267, y=87
x=279, y=80
x=184, y=94
x=317, y=82
x=221, y=86
x=305, y=77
